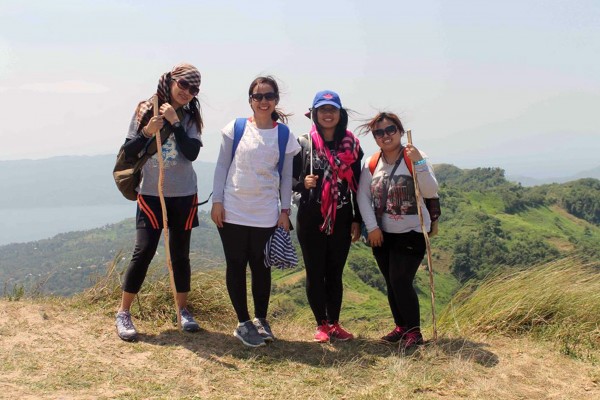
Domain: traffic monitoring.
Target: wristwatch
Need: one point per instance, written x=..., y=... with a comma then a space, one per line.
x=286, y=211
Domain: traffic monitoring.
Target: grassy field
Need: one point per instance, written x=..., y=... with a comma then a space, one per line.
x=504, y=339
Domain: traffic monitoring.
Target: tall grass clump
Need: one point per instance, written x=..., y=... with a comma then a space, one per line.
x=208, y=298
x=557, y=302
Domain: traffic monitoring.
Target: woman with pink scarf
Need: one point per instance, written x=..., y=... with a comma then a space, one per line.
x=328, y=217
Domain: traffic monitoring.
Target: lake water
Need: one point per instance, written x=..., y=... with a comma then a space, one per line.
x=25, y=225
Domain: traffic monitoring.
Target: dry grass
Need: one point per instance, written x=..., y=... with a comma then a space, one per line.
x=54, y=350
x=57, y=348
x=558, y=302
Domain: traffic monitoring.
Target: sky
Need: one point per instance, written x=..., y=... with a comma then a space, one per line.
x=511, y=84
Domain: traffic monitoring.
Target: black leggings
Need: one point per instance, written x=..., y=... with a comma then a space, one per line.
x=399, y=259
x=146, y=242
x=245, y=245
x=324, y=258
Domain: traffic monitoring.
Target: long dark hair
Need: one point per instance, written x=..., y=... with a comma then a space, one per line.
x=340, y=128
x=278, y=114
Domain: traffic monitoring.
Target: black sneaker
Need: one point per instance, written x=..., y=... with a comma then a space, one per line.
x=188, y=323
x=264, y=329
x=247, y=333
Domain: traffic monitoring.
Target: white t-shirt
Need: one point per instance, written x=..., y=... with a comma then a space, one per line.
x=251, y=194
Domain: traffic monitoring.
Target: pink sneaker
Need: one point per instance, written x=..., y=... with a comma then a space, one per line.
x=339, y=333
x=395, y=335
x=322, y=333
x=411, y=339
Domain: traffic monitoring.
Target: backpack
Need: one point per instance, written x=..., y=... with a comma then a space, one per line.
x=283, y=133
x=432, y=204
x=127, y=172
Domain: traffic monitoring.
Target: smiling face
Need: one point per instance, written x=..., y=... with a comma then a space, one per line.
x=328, y=116
x=179, y=97
x=263, y=107
x=387, y=142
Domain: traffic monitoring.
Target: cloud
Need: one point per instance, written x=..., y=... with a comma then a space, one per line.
x=73, y=87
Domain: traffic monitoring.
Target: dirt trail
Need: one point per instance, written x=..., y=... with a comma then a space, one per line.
x=54, y=351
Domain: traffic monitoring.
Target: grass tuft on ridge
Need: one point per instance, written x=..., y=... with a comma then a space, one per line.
x=557, y=302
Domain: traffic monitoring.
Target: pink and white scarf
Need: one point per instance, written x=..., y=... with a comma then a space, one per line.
x=337, y=167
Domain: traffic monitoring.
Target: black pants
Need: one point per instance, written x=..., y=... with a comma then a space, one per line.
x=324, y=258
x=399, y=259
x=146, y=242
x=182, y=217
x=245, y=245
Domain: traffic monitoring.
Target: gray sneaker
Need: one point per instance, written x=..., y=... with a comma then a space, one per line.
x=125, y=328
x=188, y=323
x=264, y=329
x=248, y=334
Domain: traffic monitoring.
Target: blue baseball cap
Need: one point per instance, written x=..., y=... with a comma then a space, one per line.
x=327, y=97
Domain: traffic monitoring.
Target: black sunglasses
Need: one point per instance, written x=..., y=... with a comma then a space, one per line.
x=388, y=130
x=185, y=85
x=267, y=96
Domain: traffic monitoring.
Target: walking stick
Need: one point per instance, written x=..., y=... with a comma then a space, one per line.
x=427, y=243
x=161, y=179
x=311, y=191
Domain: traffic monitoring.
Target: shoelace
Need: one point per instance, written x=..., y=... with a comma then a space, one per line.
x=126, y=321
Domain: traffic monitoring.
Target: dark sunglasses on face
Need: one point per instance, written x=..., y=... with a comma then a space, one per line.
x=185, y=85
x=267, y=96
x=388, y=130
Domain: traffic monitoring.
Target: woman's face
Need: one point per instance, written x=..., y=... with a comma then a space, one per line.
x=180, y=96
x=328, y=116
x=263, y=107
x=391, y=137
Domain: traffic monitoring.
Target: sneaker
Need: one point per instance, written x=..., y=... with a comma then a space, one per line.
x=411, y=339
x=264, y=329
x=125, y=328
x=395, y=335
x=188, y=323
x=322, y=333
x=339, y=333
x=248, y=334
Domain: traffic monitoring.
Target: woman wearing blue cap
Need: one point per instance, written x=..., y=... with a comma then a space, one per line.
x=326, y=174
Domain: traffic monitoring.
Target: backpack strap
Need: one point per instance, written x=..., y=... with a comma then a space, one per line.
x=283, y=134
x=238, y=131
x=375, y=159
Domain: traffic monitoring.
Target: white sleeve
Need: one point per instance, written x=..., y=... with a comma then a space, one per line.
x=363, y=197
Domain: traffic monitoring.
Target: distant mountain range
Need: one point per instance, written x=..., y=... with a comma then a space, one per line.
x=87, y=180
x=72, y=181
x=527, y=181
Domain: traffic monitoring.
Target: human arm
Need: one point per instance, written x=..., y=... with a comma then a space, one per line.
x=365, y=205
x=428, y=184
x=219, y=180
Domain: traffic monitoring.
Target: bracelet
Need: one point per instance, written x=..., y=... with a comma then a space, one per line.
x=286, y=211
x=420, y=162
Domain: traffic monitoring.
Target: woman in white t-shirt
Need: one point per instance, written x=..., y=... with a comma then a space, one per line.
x=388, y=205
x=252, y=191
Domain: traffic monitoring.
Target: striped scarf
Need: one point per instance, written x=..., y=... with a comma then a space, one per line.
x=338, y=167
x=163, y=91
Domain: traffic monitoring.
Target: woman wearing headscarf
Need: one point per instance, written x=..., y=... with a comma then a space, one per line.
x=328, y=216
x=179, y=113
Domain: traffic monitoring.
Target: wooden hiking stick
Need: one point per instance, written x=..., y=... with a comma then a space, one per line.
x=427, y=243
x=161, y=180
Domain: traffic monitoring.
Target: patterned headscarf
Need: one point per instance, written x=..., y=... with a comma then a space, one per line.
x=180, y=71
x=337, y=167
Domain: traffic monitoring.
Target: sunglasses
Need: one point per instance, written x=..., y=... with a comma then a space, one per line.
x=388, y=130
x=185, y=85
x=267, y=96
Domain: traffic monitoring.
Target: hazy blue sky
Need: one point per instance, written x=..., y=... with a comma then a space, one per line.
x=514, y=84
